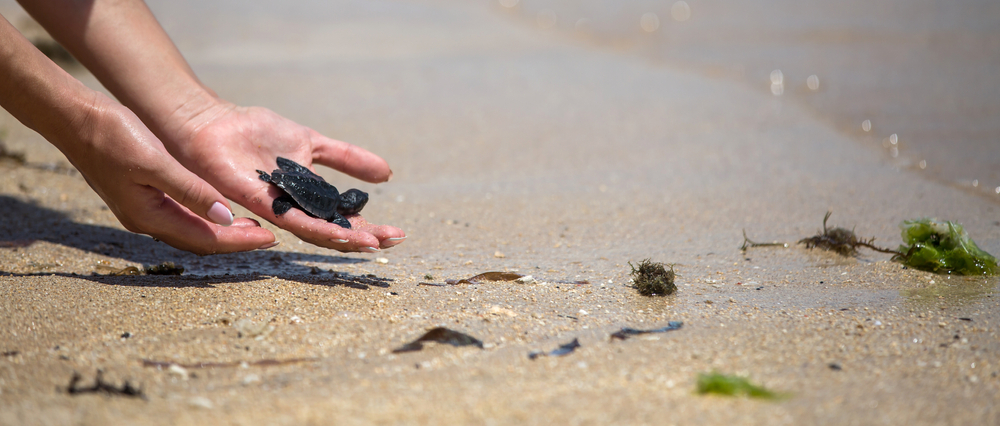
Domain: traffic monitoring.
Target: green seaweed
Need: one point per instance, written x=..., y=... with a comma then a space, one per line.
x=943, y=247
x=653, y=279
x=732, y=385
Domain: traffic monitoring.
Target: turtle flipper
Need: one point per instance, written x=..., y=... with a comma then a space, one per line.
x=264, y=176
x=282, y=205
x=339, y=220
x=352, y=201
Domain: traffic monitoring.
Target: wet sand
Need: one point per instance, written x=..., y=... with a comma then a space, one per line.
x=514, y=149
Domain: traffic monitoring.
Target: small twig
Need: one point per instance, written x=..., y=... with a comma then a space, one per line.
x=748, y=243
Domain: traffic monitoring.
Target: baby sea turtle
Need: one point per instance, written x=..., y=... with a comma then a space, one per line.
x=308, y=192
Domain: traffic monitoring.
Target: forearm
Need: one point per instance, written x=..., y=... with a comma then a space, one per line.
x=39, y=93
x=121, y=42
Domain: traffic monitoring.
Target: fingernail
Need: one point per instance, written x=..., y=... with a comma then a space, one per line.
x=339, y=240
x=220, y=214
x=396, y=239
x=370, y=249
x=390, y=175
x=268, y=245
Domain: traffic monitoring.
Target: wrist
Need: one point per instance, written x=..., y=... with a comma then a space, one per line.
x=195, y=110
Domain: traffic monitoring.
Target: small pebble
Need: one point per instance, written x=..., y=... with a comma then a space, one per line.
x=527, y=279
x=382, y=260
x=250, y=379
x=178, y=371
x=201, y=402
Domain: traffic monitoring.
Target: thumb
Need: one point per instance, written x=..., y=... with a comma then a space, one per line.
x=192, y=192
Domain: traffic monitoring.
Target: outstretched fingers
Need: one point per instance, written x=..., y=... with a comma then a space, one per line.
x=350, y=159
x=172, y=223
x=386, y=235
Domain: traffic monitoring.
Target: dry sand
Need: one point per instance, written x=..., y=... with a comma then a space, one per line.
x=514, y=150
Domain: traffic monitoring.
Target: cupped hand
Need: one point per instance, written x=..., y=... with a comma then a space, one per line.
x=150, y=192
x=226, y=144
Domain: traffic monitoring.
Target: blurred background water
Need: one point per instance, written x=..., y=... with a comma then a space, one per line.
x=916, y=80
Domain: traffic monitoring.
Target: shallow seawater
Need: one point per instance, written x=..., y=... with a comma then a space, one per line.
x=941, y=290
x=911, y=80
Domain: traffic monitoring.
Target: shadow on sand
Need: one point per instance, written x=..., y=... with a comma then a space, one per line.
x=27, y=223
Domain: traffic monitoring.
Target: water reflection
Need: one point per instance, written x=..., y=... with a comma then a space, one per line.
x=950, y=291
x=649, y=22
x=680, y=11
x=777, y=83
x=547, y=19
x=813, y=82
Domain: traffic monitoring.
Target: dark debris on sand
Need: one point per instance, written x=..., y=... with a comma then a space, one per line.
x=102, y=387
x=440, y=335
x=653, y=278
x=841, y=241
x=560, y=351
x=627, y=332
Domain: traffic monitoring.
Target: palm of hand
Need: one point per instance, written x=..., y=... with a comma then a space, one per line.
x=230, y=147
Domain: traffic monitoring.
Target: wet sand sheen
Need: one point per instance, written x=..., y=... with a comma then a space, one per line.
x=569, y=162
x=920, y=71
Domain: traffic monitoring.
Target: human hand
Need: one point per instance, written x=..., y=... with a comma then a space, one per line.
x=150, y=192
x=226, y=144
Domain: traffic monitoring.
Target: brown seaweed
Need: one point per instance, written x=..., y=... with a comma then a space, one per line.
x=653, y=278
x=841, y=241
x=487, y=276
x=748, y=243
x=258, y=363
x=626, y=332
x=100, y=386
x=560, y=351
x=440, y=335
x=495, y=276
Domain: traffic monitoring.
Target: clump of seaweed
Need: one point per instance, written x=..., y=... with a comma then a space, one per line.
x=841, y=240
x=653, y=278
x=943, y=247
x=732, y=385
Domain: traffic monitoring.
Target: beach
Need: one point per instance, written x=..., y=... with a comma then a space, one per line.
x=565, y=152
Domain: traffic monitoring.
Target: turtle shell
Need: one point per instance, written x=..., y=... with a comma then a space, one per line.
x=311, y=193
x=309, y=190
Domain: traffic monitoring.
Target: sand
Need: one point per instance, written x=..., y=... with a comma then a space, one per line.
x=514, y=149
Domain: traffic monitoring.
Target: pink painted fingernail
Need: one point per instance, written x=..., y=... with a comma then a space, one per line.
x=370, y=249
x=339, y=240
x=396, y=239
x=268, y=245
x=220, y=214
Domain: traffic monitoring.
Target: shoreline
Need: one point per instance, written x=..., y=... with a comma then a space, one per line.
x=512, y=152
